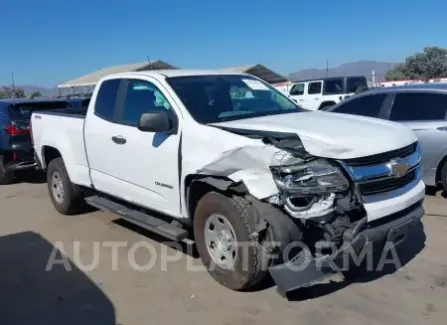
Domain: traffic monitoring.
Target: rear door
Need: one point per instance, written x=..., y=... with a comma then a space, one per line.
x=314, y=92
x=425, y=113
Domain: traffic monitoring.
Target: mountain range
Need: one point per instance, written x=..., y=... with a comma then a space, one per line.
x=363, y=68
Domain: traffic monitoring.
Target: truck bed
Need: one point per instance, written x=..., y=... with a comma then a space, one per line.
x=67, y=112
x=62, y=129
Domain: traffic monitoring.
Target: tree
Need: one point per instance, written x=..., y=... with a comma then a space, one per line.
x=398, y=73
x=12, y=92
x=36, y=94
x=431, y=63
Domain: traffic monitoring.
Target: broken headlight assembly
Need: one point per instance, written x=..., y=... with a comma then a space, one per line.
x=310, y=178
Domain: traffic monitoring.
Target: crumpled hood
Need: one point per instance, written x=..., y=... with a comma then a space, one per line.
x=333, y=135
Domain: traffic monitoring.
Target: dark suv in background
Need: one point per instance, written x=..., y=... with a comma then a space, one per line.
x=423, y=108
x=16, y=150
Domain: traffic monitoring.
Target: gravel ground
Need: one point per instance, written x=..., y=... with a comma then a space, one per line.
x=175, y=290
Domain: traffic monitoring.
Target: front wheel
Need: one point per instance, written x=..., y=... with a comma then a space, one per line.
x=67, y=197
x=227, y=243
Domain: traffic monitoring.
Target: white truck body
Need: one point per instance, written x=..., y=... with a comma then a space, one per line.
x=123, y=171
x=152, y=170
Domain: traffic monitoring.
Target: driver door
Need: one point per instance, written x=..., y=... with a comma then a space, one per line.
x=145, y=164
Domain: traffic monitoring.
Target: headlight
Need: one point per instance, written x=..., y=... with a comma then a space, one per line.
x=314, y=177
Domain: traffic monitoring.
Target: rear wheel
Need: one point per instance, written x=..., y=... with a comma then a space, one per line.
x=6, y=176
x=67, y=197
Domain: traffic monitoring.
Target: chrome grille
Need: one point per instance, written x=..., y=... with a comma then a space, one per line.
x=385, y=185
x=388, y=172
x=382, y=157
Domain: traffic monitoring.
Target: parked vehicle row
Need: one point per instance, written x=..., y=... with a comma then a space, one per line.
x=423, y=108
x=16, y=152
x=224, y=159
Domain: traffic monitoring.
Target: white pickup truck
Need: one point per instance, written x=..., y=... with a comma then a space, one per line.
x=226, y=160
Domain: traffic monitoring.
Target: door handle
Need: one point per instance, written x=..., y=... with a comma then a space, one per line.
x=442, y=128
x=118, y=139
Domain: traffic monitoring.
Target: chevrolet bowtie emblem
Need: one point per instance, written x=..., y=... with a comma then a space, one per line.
x=398, y=167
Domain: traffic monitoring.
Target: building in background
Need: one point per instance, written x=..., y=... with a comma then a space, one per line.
x=260, y=71
x=85, y=84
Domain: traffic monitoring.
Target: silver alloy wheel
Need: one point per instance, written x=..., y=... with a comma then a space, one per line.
x=220, y=240
x=57, y=187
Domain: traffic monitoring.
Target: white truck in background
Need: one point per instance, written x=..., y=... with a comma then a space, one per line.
x=225, y=159
x=322, y=93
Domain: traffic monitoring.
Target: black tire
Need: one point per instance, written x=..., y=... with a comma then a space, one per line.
x=72, y=200
x=6, y=177
x=252, y=261
x=444, y=177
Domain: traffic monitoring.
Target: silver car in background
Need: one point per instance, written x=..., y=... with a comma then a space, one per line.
x=423, y=108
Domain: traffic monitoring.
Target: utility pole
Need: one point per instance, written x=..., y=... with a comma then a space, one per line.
x=327, y=68
x=13, y=85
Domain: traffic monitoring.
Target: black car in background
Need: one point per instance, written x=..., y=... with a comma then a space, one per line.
x=16, y=151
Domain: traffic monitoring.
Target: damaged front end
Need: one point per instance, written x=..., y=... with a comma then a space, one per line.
x=321, y=200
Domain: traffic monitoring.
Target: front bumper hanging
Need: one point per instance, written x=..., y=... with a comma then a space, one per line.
x=304, y=269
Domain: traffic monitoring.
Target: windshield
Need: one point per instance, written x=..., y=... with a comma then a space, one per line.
x=219, y=98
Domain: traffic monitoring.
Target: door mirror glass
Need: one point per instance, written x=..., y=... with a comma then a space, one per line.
x=159, y=122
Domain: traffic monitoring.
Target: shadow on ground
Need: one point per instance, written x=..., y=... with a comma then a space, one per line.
x=405, y=252
x=31, y=295
x=29, y=176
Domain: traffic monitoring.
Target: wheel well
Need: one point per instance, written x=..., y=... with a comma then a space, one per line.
x=439, y=168
x=49, y=153
x=196, y=186
x=324, y=104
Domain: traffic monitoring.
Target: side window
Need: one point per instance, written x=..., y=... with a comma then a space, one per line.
x=314, y=88
x=297, y=89
x=364, y=106
x=106, y=99
x=141, y=97
x=419, y=107
x=333, y=86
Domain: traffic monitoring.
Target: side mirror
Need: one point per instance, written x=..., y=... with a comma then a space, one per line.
x=155, y=122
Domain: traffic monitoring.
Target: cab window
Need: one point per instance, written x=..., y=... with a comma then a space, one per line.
x=419, y=107
x=314, y=88
x=141, y=97
x=297, y=89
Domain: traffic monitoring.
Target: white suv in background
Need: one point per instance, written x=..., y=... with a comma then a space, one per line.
x=322, y=93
